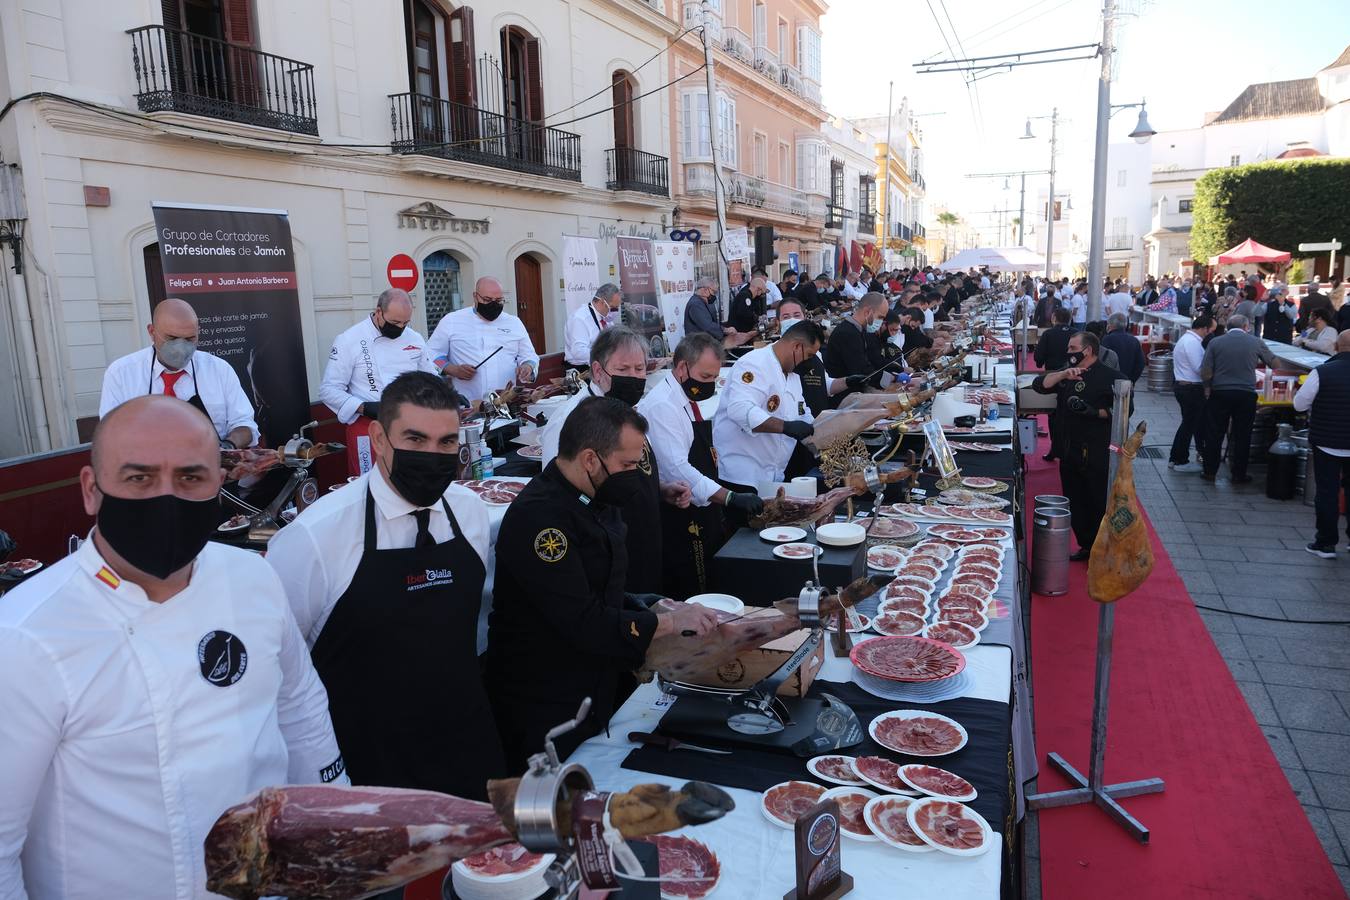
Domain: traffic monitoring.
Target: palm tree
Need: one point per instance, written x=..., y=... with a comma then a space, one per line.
x=947, y=219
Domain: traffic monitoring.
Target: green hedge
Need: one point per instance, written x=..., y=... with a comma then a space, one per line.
x=1280, y=204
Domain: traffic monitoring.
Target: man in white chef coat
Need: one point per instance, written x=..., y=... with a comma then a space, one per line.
x=173, y=365
x=151, y=679
x=362, y=361
x=682, y=440
x=483, y=335
x=585, y=325
x=763, y=414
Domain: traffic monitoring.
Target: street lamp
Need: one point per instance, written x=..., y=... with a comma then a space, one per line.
x=1050, y=206
x=1141, y=134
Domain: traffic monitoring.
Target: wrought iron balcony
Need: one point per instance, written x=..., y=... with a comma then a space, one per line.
x=182, y=72
x=433, y=127
x=627, y=169
x=747, y=190
x=867, y=223
x=1120, y=242
x=918, y=231
x=766, y=63
x=737, y=43
x=836, y=215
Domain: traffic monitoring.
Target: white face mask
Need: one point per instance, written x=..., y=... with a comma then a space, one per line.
x=786, y=323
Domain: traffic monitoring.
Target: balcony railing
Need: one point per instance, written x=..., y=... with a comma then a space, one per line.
x=182, y=72
x=693, y=18
x=434, y=127
x=627, y=169
x=1120, y=242
x=835, y=215
x=737, y=43
x=811, y=91
x=750, y=191
x=766, y=63
x=918, y=231
x=791, y=78
x=867, y=223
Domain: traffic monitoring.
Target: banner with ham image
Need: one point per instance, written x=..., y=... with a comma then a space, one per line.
x=236, y=268
x=641, y=307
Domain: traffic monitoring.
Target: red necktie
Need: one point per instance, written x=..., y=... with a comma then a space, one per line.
x=170, y=379
x=698, y=414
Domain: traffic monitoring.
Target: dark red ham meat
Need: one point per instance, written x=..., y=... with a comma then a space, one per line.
x=950, y=824
x=791, y=800
x=688, y=868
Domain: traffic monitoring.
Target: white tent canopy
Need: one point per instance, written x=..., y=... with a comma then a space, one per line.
x=1003, y=259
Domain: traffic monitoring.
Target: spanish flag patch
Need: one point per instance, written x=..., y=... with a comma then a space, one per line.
x=106, y=576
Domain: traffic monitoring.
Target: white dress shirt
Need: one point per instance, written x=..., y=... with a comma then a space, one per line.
x=984, y=282
x=756, y=383
x=210, y=377
x=1187, y=356
x=464, y=338
x=1303, y=402
x=583, y=327
x=117, y=752
x=1118, y=302
x=552, y=430
x=361, y=364
x=853, y=291
x=670, y=424
x=929, y=319
x=775, y=293
x=316, y=555
x=1078, y=308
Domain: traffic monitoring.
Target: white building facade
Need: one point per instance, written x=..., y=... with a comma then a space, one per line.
x=381, y=127
x=852, y=213
x=1151, y=187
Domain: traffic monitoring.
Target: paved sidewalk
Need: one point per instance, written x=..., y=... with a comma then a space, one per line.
x=1238, y=551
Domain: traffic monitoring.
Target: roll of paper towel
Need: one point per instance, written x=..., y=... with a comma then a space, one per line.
x=804, y=486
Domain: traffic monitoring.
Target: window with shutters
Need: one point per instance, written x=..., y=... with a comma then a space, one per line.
x=726, y=131
x=811, y=166
x=784, y=162
x=808, y=52
x=761, y=25
x=695, y=137
x=761, y=141
x=784, y=43
x=522, y=75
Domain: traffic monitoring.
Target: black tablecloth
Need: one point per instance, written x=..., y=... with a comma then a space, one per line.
x=983, y=761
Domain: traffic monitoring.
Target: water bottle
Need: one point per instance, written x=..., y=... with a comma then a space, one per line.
x=993, y=411
x=483, y=467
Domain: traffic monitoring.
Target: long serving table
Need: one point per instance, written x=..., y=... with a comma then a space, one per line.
x=757, y=855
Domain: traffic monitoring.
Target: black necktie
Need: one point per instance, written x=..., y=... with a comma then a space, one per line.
x=424, y=538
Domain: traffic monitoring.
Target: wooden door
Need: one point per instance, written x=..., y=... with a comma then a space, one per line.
x=530, y=298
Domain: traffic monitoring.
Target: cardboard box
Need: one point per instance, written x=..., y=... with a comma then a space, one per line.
x=751, y=666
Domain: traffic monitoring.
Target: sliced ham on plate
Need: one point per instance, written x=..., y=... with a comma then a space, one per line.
x=949, y=827
x=937, y=782
x=888, y=817
x=783, y=804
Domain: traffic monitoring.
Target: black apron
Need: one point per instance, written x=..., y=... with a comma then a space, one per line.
x=194, y=400
x=399, y=657
x=642, y=516
x=693, y=535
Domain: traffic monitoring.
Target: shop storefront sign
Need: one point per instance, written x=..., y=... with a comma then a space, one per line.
x=430, y=217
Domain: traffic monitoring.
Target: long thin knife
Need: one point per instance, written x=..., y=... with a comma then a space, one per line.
x=652, y=739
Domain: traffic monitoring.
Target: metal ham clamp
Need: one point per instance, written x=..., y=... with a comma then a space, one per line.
x=297, y=454
x=757, y=716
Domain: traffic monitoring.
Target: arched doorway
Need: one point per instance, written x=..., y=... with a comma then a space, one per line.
x=441, y=292
x=530, y=298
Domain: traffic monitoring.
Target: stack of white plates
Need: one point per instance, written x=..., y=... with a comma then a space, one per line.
x=931, y=692
x=524, y=885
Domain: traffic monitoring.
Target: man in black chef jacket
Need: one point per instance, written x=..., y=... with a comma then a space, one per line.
x=911, y=327
x=854, y=347
x=1082, y=440
x=818, y=388
x=562, y=626
x=748, y=305
x=386, y=581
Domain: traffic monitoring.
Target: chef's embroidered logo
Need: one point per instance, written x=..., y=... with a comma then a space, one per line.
x=632, y=629
x=550, y=545
x=222, y=658
x=773, y=403
x=748, y=377
x=429, y=578
x=1080, y=386
x=645, y=464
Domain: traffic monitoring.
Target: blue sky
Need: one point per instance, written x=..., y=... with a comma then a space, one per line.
x=1185, y=56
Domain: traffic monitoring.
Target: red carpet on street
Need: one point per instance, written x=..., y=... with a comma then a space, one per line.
x=1228, y=825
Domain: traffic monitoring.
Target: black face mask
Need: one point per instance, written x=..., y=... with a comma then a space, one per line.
x=392, y=331
x=619, y=487
x=626, y=388
x=158, y=535
x=421, y=477
x=1075, y=359
x=698, y=390
x=490, y=311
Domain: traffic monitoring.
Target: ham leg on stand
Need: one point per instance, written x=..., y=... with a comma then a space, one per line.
x=785, y=510
x=329, y=842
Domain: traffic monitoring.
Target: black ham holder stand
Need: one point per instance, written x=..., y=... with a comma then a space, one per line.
x=1092, y=789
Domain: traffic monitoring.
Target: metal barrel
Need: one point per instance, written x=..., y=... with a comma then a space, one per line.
x=1304, y=482
x=1264, y=429
x=1160, y=376
x=1049, y=500
x=1050, y=532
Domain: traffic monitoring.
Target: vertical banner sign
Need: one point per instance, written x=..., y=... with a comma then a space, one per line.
x=236, y=268
x=641, y=308
x=794, y=262
x=674, y=264
x=736, y=243
x=581, y=271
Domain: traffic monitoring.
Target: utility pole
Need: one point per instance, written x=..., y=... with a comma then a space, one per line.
x=719, y=195
x=886, y=179
x=1050, y=207
x=1022, y=213
x=1097, y=243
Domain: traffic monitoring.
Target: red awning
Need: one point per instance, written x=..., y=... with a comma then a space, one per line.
x=1249, y=251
